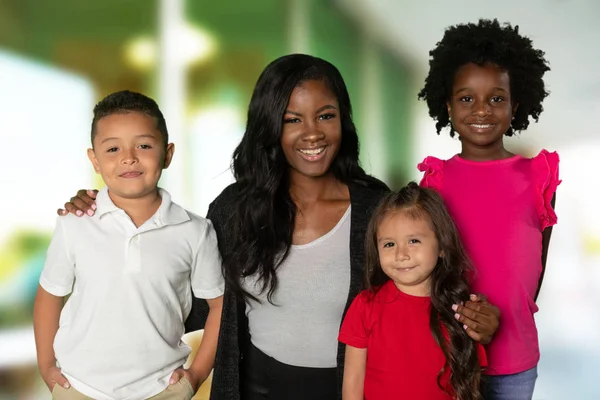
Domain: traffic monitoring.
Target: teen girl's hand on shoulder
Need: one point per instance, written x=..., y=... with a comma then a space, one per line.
x=84, y=202
x=479, y=318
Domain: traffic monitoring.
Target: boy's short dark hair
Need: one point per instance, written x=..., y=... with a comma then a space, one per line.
x=124, y=102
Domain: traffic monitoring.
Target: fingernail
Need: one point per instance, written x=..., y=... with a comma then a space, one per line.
x=79, y=213
x=90, y=212
x=465, y=327
x=93, y=206
x=473, y=297
x=66, y=385
x=457, y=316
x=172, y=381
x=454, y=307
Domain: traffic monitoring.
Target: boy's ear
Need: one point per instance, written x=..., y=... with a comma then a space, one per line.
x=92, y=156
x=169, y=155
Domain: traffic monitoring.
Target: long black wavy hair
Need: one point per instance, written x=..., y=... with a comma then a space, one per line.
x=449, y=282
x=262, y=222
x=487, y=42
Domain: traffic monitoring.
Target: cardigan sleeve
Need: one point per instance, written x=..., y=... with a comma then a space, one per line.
x=226, y=374
x=234, y=328
x=199, y=313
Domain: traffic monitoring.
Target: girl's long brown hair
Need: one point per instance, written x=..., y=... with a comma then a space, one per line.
x=448, y=282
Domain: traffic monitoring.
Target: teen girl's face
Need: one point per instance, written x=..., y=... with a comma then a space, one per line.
x=312, y=129
x=480, y=106
x=408, y=252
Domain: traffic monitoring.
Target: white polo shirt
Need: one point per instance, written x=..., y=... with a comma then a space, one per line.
x=131, y=290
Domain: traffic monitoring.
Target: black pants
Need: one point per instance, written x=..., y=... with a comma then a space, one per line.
x=264, y=378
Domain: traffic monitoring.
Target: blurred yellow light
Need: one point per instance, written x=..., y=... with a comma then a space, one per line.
x=141, y=53
x=591, y=244
x=193, y=44
x=188, y=44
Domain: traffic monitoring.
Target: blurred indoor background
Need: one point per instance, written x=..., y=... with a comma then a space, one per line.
x=200, y=60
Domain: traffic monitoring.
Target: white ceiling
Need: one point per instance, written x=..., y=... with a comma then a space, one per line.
x=567, y=30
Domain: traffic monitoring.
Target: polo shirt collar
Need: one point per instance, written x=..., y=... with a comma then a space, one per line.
x=104, y=204
x=168, y=213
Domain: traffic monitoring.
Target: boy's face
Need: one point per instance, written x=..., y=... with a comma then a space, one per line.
x=129, y=152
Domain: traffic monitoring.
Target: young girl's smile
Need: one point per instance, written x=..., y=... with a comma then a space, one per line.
x=408, y=251
x=480, y=106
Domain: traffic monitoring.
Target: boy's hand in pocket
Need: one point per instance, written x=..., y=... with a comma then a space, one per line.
x=53, y=376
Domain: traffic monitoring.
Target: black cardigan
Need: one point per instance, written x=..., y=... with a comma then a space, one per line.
x=234, y=334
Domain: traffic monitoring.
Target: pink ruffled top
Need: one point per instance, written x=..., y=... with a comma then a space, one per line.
x=501, y=208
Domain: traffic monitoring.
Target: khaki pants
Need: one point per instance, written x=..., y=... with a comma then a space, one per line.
x=181, y=390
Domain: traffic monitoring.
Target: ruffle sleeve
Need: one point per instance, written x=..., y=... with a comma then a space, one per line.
x=433, y=169
x=545, y=168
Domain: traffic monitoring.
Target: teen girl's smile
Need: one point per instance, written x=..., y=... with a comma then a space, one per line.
x=312, y=130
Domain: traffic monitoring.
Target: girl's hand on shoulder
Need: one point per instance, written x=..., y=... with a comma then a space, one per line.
x=479, y=318
x=84, y=202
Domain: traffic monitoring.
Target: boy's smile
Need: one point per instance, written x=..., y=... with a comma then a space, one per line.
x=130, y=154
x=131, y=174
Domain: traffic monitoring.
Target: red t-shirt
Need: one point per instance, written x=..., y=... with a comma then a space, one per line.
x=403, y=359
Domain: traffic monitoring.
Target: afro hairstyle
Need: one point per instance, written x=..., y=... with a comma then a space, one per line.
x=487, y=42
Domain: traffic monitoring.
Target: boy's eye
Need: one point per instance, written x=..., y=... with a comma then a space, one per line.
x=465, y=99
x=497, y=99
x=388, y=245
x=414, y=241
x=112, y=150
x=145, y=146
x=291, y=120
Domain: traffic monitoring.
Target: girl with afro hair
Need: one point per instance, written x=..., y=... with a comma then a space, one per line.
x=485, y=82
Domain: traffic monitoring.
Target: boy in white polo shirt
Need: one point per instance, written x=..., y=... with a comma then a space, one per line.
x=130, y=271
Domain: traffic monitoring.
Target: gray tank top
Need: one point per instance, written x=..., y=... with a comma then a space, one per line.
x=302, y=327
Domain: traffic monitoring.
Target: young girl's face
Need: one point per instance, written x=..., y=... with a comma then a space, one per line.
x=480, y=106
x=408, y=252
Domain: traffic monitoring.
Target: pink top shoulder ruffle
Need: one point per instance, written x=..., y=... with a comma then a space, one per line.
x=433, y=169
x=545, y=166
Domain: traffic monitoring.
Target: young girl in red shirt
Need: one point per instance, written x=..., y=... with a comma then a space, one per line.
x=403, y=340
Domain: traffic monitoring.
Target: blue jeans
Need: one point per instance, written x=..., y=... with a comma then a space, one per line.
x=509, y=387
